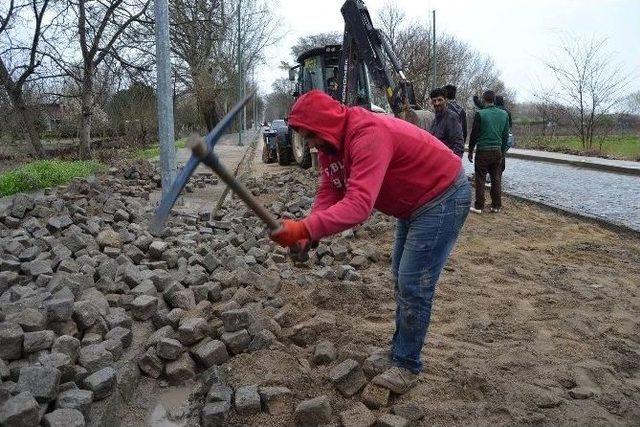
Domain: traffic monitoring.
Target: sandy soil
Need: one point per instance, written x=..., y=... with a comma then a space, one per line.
x=531, y=305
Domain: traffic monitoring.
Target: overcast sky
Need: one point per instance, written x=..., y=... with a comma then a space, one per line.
x=522, y=34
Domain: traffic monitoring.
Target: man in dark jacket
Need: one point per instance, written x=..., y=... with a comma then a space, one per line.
x=489, y=136
x=452, y=104
x=446, y=125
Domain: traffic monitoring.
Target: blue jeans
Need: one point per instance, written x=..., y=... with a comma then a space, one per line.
x=422, y=245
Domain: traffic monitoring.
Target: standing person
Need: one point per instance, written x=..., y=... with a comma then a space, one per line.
x=446, y=125
x=452, y=104
x=489, y=136
x=372, y=161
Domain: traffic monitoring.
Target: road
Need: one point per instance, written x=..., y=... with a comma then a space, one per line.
x=607, y=196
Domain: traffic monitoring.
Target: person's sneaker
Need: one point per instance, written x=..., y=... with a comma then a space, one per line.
x=495, y=210
x=396, y=379
x=474, y=210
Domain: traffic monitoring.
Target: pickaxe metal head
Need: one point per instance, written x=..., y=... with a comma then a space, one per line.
x=169, y=199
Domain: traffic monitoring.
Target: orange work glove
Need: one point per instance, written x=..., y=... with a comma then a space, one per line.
x=290, y=232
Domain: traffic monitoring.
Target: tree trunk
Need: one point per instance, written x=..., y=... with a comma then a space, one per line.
x=26, y=114
x=86, y=108
x=205, y=99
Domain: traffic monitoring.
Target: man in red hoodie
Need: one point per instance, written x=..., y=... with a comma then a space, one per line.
x=372, y=161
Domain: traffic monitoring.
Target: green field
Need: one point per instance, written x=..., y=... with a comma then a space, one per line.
x=622, y=147
x=153, y=152
x=44, y=174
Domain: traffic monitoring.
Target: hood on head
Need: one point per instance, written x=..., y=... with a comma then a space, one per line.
x=317, y=112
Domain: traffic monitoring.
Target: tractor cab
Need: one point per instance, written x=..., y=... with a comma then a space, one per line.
x=318, y=68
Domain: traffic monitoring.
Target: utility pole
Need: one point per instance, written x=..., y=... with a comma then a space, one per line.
x=255, y=112
x=240, y=79
x=435, y=66
x=164, y=96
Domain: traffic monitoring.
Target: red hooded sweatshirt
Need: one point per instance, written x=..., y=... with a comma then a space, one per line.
x=381, y=162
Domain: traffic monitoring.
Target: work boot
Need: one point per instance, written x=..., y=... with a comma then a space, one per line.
x=398, y=380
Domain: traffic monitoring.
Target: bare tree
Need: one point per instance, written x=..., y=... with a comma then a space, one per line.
x=587, y=82
x=279, y=101
x=102, y=29
x=18, y=62
x=315, y=40
x=457, y=63
x=633, y=103
x=205, y=45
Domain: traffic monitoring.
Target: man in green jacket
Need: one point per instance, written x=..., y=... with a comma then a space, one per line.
x=489, y=137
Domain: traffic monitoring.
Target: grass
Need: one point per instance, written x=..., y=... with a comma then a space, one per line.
x=45, y=173
x=618, y=146
x=152, y=152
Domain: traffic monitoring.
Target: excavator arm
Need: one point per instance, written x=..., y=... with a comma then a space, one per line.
x=363, y=43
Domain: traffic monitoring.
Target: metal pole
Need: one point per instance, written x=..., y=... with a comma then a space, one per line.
x=164, y=96
x=253, y=81
x=435, y=66
x=240, y=122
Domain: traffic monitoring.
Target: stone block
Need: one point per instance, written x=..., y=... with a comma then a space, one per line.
x=411, y=411
x=348, y=377
x=59, y=309
x=150, y=363
x=219, y=392
x=41, y=381
x=357, y=416
x=30, y=320
x=276, y=400
x=236, y=342
x=376, y=364
x=169, y=349
x=65, y=417
x=101, y=383
x=180, y=370
x=263, y=339
x=157, y=248
x=235, y=320
x=210, y=352
x=313, y=412
x=374, y=396
x=21, y=410
x=11, y=339
x=59, y=361
x=182, y=298
x=247, y=400
x=75, y=399
x=68, y=345
x=215, y=414
x=191, y=330
x=37, y=341
x=143, y=307
x=324, y=352
x=95, y=357
x=124, y=335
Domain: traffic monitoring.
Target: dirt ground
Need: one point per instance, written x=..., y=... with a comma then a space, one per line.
x=533, y=304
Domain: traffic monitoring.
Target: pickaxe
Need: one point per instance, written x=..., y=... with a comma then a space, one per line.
x=202, y=152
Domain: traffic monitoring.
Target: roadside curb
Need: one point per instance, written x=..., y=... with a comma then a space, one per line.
x=588, y=163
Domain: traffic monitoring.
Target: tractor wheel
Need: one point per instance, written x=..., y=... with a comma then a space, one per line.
x=283, y=152
x=267, y=155
x=301, y=153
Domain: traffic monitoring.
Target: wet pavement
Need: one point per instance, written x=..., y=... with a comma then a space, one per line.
x=607, y=196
